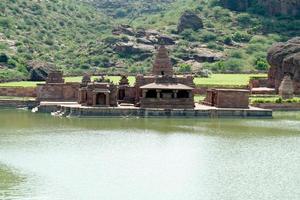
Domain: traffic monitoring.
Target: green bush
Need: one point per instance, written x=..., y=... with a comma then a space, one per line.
x=189, y=35
x=261, y=64
x=234, y=64
x=207, y=36
x=213, y=45
x=6, y=22
x=184, y=68
x=241, y=37
x=228, y=40
x=244, y=19
x=237, y=54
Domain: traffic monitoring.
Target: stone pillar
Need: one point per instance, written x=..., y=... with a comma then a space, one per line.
x=175, y=93
x=107, y=99
x=94, y=99
x=144, y=93
x=158, y=94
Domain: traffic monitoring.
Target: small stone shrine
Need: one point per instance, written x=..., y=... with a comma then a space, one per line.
x=100, y=93
x=286, y=89
x=55, y=89
x=227, y=98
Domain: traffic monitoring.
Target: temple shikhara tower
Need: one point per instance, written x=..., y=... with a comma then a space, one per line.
x=162, y=89
x=162, y=64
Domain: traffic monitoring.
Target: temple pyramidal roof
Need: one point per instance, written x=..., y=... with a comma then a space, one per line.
x=167, y=86
x=162, y=65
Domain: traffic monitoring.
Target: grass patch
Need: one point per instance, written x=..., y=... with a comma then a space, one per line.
x=230, y=80
x=227, y=79
x=199, y=98
x=16, y=98
x=273, y=99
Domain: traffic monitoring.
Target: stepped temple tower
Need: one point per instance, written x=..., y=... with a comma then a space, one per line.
x=162, y=89
x=162, y=64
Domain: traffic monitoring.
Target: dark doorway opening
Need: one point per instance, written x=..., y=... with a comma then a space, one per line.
x=101, y=99
x=151, y=94
x=121, y=94
x=183, y=94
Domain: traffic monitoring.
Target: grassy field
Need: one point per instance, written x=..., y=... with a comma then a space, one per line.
x=215, y=79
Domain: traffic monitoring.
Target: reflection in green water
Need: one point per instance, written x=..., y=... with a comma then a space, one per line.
x=133, y=159
x=9, y=181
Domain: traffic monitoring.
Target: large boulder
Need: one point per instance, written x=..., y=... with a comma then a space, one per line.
x=284, y=58
x=165, y=40
x=123, y=29
x=137, y=52
x=38, y=71
x=189, y=20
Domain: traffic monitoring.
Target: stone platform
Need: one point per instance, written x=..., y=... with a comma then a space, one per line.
x=263, y=90
x=69, y=109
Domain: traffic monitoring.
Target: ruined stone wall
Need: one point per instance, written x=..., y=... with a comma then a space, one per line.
x=232, y=99
x=261, y=82
x=58, y=92
x=227, y=98
x=18, y=91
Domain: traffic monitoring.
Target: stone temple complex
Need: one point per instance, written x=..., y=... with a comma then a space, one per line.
x=159, y=93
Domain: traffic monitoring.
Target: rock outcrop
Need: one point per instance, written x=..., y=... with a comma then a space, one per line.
x=189, y=20
x=281, y=7
x=271, y=7
x=284, y=59
x=38, y=71
x=237, y=5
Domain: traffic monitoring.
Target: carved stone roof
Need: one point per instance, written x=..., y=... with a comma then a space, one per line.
x=167, y=86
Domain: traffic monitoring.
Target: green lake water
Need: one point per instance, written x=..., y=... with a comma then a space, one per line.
x=48, y=158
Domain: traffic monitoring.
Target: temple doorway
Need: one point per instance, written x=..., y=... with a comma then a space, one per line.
x=121, y=94
x=183, y=94
x=101, y=99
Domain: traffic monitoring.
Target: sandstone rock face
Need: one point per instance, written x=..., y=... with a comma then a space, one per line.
x=284, y=59
x=237, y=5
x=38, y=71
x=189, y=20
x=284, y=7
x=272, y=7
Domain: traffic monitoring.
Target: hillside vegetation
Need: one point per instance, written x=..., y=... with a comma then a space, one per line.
x=76, y=35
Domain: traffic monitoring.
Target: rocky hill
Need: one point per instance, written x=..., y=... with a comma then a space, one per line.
x=118, y=36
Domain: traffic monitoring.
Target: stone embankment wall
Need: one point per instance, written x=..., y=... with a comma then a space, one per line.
x=18, y=91
x=279, y=106
x=72, y=111
x=18, y=103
